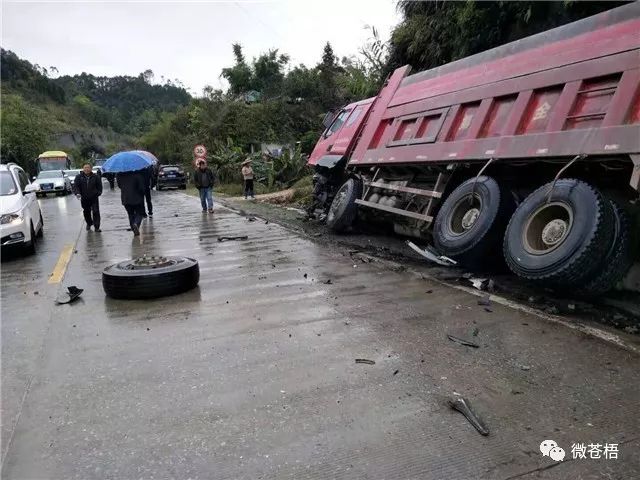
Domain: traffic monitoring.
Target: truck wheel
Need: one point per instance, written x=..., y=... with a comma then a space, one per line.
x=343, y=210
x=561, y=241
x=471, y=222
x=150, y=277
x=618, y=259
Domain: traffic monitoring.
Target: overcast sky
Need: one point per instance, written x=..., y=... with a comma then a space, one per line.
x=187, y=40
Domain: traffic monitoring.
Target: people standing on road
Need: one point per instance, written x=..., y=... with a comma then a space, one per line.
x=111, y=178
x=147, y=174
x=88, y=188
x=247, y=175
x=203, y=178
x=132, y=192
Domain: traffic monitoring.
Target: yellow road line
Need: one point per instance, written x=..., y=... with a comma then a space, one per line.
x=61, y=266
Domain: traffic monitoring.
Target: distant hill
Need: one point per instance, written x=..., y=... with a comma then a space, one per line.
x=81, y=114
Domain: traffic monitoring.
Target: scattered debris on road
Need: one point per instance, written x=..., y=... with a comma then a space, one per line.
x=462, y=341
x=72, y=294
x=239, y=237
x=485, y=301
x=431, y=256
x=327, y=281
x=464, y=407
x=365, y=361
x=396, y=372
x=251, y=219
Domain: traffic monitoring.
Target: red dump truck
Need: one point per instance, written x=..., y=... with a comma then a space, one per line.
x=528, y=153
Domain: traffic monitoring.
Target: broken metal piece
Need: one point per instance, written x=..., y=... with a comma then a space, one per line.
x=432, y=257
x=240, y=237
x=462, y=341
x=464, y=407
x=365, y=361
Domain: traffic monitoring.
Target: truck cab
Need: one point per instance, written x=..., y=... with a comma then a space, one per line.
x=341, y=131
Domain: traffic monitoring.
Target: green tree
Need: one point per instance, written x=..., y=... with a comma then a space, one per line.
x=240, y=75
x=437, y=32
x=25, y=131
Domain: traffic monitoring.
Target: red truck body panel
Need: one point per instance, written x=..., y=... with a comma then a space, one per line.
x=572, y=90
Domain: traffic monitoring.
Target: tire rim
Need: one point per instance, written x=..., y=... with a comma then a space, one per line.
x=464, y=214
x=149, y=263
x=337, y=202
x=547, y=228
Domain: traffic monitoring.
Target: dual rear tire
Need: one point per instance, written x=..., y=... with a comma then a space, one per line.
x=572, y=239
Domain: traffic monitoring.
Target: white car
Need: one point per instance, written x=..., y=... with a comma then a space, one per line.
x=21, y=220
x=72, y=174
x=53, y=181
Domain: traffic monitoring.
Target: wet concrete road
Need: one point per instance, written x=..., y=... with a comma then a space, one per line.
x=253, y=374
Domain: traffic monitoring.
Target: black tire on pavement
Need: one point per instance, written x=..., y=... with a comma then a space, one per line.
x=470, y=224
x=560, y=241
x=32, y=246
x=343, y=210
x=131, y=280
x=618, y=259
x=40, y=233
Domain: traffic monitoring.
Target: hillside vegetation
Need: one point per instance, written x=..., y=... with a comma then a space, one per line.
x=268, y=100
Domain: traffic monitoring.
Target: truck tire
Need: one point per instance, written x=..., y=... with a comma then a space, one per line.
x=618, y=259
x=150, y=277
x=470, y=224
x=343, y=210
x=561, y=240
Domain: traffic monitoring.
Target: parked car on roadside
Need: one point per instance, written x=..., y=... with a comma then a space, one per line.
x=21, y=220
x=53, y=181
x=171, y=176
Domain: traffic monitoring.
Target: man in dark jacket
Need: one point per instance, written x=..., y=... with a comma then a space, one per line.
x=203, y=178
x=88, y=187
x=132, y=192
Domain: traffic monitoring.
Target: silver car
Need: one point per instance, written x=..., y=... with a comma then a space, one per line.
x=53, y=181
x=72, y=174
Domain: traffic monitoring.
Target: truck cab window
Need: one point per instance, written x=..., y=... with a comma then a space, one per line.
x=337, y=123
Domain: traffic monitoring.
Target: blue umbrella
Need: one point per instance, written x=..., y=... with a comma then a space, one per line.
x=127, y=162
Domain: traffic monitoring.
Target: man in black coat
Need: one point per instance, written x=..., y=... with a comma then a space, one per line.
x=88, y=187
x=132, y=190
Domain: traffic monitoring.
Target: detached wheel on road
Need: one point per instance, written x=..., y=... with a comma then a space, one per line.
x=150, y=277
x=470, y=223
x=343, y=210
x=562, y=240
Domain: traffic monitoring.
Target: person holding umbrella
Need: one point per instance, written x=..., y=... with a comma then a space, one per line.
x=247, y=175
x=128, y=167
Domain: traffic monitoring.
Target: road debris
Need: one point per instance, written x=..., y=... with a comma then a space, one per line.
x=226, y=239
x=485, y=301
x=463, y=406
x=431, y=256
x=396, y=372
x=365, y=361
x=462, y=341
x=327, y=281
x=475, y=332
x=251, y=219
x=72, y=294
